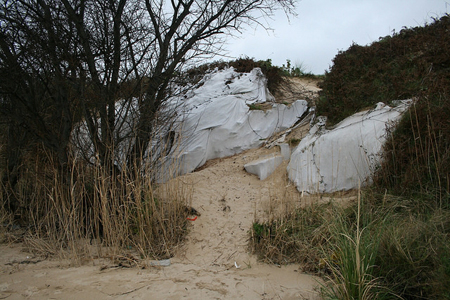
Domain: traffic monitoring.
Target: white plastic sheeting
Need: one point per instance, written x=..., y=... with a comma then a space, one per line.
x=332, y=160
x=209, y=120
x=264, y=167
x=215, y=119
x=127, y=116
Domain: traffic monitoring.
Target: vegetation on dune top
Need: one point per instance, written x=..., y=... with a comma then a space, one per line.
x=411, y=64
x=275, y=75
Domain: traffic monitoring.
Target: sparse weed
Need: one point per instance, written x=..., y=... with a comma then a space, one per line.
x=254, y=106
x=296, y=237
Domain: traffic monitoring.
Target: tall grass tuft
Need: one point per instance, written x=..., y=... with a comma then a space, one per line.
x=352, y=261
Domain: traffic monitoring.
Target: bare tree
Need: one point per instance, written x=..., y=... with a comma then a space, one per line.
x=39, y=74
x=185, y=30
x=82, y=54
x=36, y=59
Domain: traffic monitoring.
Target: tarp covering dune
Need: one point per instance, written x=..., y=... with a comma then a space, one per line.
x=208, y=120
x=215, y=120
x=339, y=159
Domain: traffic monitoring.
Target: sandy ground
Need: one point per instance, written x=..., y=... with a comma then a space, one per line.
x=298, y=88
x=213, y=263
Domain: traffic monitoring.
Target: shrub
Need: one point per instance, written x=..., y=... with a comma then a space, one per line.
x=390, y=69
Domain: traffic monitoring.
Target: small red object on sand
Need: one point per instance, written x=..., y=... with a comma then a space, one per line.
x=193, y=219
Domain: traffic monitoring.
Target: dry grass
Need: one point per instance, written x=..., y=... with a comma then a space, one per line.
x=93, y=213
x=295, y=88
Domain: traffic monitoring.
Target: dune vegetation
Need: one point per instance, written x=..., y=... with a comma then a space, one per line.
x=394, y=241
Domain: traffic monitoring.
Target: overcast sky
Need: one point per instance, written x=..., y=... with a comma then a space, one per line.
x=323, y=27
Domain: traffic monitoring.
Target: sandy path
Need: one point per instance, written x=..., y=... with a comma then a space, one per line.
x=227, y=198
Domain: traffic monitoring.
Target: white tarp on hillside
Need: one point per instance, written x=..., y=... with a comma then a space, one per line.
x=215, y=120
x=209, y=120
x=331, y=160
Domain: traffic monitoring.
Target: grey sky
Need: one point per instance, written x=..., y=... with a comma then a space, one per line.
x=323, y=27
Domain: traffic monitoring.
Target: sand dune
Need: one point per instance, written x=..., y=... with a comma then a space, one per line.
x=213, y=263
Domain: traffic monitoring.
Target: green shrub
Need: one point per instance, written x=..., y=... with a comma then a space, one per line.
x=413, y=256
x=416, y=157
x=393, y=68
